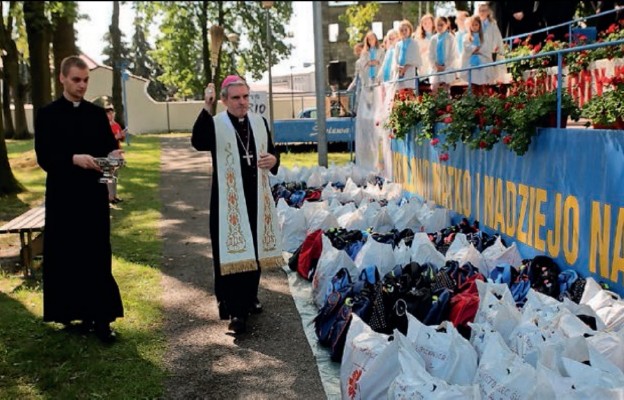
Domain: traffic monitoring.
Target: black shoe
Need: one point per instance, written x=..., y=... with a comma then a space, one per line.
x=224, y=313
x=238, y=325
x=105, y=333
x=256, y=307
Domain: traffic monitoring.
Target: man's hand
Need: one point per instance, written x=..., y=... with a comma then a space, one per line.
x=209, y=96
x=118, y=153
x=86, y=161
x=267, y=161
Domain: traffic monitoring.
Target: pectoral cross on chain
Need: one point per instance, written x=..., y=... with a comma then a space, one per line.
x=248, y=157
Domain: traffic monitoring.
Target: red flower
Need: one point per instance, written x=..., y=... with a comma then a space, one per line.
x=435, y=141
x=440, y=112
x=516, y=40
x=444, y=157
x=447, y=120
x=507, y=139
x=550, y=37
x=449, y=108
x=495, y=131
x=483, y=144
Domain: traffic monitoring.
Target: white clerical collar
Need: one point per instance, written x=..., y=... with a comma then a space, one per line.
x=76, y=103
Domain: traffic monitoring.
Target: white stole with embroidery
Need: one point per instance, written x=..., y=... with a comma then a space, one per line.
x=235, y=242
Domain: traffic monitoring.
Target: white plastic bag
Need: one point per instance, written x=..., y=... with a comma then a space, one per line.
x=423, y=251
x=315, y=180
x=382, y=222
x=362, y=345
x=502, y=374
x=293, y=225
x=498, y=254
x=414, y=382
x=402, y=254
x=353, y=220
x=610, y=345
x=330, y=262
x=407, y=216
x=446, y=353
x=374, y=253
x=351, y=192
x=381, y=371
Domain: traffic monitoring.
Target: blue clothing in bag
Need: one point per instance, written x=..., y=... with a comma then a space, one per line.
x=501, y=274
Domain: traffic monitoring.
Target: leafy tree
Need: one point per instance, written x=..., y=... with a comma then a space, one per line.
x=465, y=6
x=183, y=47
x=142, y=64
x=125, y=54
x=358, y=19
x=38, y=30
x=16, y=82
x=63, y=15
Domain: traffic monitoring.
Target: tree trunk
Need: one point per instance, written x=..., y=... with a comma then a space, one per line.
x=38, y=30
x=9, y=129
x=203, y=21
x=63, y=45
x=115, y=35
x=8, y=183
x=11, y=74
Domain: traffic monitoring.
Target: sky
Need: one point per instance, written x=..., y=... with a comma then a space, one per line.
x=90, y=33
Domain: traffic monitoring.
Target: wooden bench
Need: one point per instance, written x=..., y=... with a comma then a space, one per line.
x=27, y=224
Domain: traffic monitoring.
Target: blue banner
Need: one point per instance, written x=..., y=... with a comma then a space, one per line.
x=564, y=198
x=306, y=130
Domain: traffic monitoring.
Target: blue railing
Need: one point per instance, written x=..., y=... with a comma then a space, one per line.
x=558, y=53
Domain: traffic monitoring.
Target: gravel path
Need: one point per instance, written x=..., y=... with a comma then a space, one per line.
x=204, y=360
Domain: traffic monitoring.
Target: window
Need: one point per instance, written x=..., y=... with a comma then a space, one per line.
x=378, y=30
x=341, y=3
x=333, y=30
x=395, y=25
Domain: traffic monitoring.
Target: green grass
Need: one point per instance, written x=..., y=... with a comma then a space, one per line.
x=310, y=159
x=39, y=360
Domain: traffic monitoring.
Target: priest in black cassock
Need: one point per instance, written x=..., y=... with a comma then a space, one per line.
x=70, y=132
x=243, y=225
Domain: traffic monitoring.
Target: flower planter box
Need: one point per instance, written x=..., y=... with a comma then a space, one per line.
x=618, y=124
x=551, y=120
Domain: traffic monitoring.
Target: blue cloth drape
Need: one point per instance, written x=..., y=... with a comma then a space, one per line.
x=440, y=56
x=460, y=41
x=371, y=69
x=403, y=51
x=474, y=59
x=387, y=66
